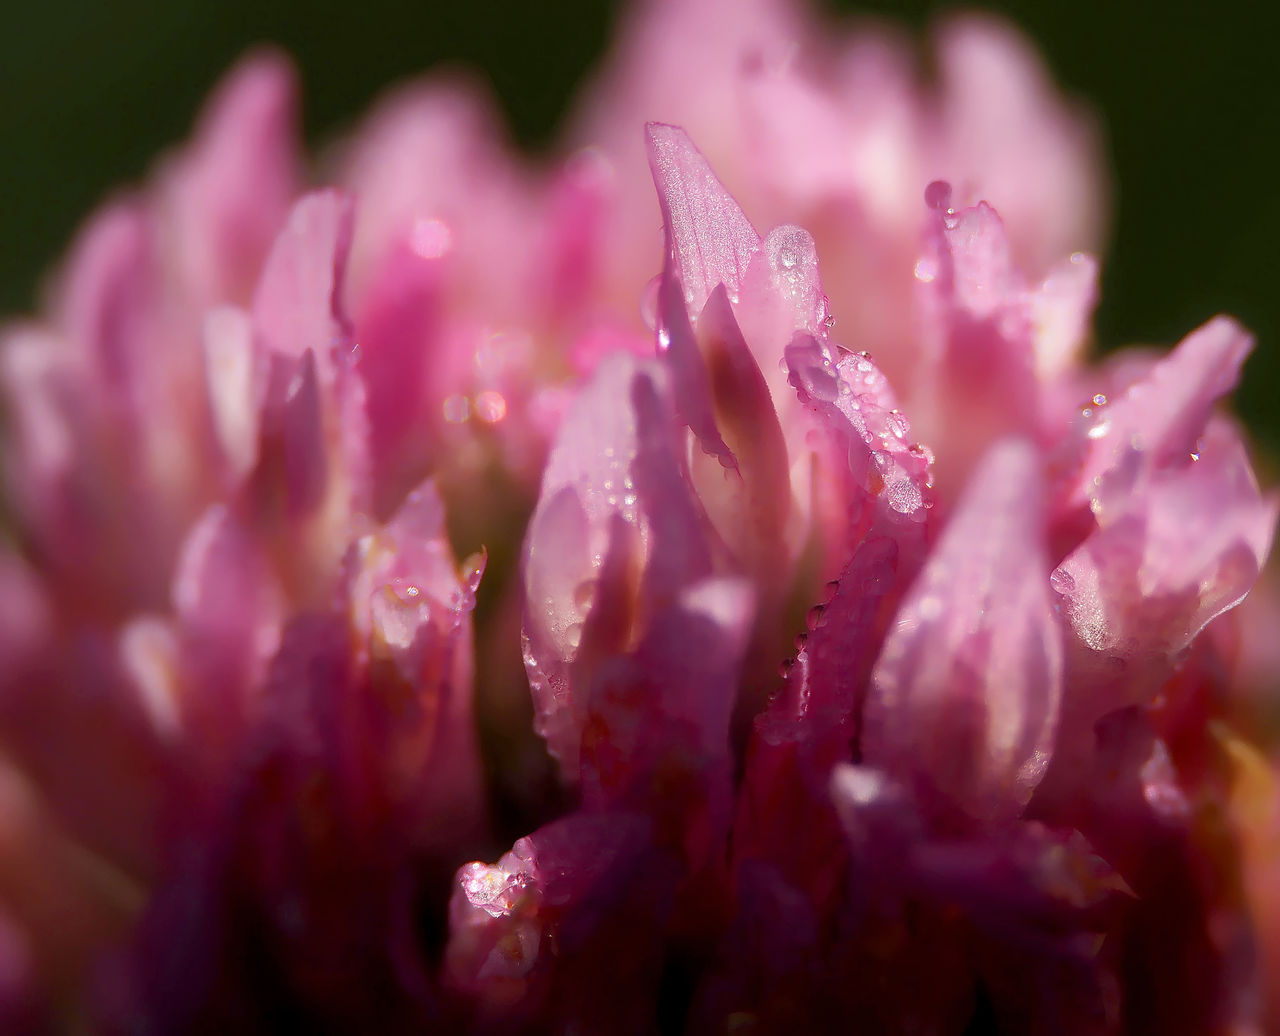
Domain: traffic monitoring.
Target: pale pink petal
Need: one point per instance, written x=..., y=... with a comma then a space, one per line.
x=1184, y=548
x=225, y=198
x=1007, y=137
x=297, y=303
x=964, y=697
x=709, y=240
x=1062, y=309
x=612, y=487
x=106, y=296
x=228, y=613
x=236, y=382
x=1158, y=418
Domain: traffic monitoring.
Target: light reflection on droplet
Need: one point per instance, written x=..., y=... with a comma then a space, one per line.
x=490, y=406
x=649, y=303
x=1062, y=581
x=457, y=409
x=431, y=238
x=926, y=270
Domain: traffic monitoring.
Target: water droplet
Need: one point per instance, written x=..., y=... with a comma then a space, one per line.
x=490, y=406
x=583, y=594
x=431, y=238
x=1062, y=581
x=801, y=640
x=937, y=195
x=649, y=303
x=814, y=618
x=883, y=461
x=897, y=424
x=1099, y=400
x=926, y=270
x=903, y=495
x=573, y=636
x=920, y=450
x=784, y=667
x=457, y=409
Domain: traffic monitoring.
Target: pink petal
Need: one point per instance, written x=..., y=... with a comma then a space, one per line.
x=1181, y=550
x=229, y=192
x=612, y=488
x=750, y=503
x=228, y=612
x=1007, y=137
x=1158, y=419
x=297, y=304
x=106, y=295
x=411, y=607
x=236, y=383
x=965, y=693
x=656, y=737
x=709, y=240
x=979, y=383
x=1062, y=310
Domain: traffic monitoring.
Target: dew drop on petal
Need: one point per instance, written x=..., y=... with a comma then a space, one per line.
x=649, y=303
x=1062, y=581
x=903, y=495
x=583, y=594
x=431, y=238
x=456, y=409
x=937, y=195
x=490, y=406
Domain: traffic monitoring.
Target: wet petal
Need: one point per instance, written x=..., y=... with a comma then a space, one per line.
x=964, y=697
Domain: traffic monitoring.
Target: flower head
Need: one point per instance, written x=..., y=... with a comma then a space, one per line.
x=868, y=632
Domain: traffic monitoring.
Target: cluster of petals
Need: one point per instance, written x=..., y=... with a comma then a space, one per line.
x=809, y=636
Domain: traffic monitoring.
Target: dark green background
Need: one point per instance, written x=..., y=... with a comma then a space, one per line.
x=89, y=92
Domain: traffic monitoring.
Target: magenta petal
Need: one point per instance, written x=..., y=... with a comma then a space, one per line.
x=533, y=938
x=656, y=738
x=228, y=612
x=709, y=239
x=964, y=697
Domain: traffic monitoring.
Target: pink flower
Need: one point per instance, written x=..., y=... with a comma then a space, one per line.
x=271, y=452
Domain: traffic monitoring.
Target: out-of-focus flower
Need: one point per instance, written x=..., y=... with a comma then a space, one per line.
x=256, y=715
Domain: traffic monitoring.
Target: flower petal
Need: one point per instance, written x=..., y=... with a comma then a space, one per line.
x=964, y=697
